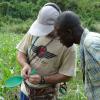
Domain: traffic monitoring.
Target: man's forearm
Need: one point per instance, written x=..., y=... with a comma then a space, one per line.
x=57, y=78
x=21, y=57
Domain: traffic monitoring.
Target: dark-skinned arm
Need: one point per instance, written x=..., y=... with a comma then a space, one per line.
x=56, y=78
x=21, y=58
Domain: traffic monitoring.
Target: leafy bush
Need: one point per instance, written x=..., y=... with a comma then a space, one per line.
x=13, y=25
x=22, y=10
x=95, y=27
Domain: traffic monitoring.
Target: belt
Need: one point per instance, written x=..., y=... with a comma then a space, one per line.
x=43, y=93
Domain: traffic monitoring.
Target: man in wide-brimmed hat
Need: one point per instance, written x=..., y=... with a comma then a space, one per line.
x=40, y=49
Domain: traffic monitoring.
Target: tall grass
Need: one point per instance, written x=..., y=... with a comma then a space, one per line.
x=8, y=64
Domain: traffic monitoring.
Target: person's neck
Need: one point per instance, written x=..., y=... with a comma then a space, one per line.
x=52, y=35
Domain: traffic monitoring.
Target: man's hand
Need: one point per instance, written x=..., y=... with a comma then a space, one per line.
x=26, y=69
x=34, y=79
x=25, y=72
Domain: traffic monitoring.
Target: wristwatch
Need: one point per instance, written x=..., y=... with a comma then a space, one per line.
x=42, y=81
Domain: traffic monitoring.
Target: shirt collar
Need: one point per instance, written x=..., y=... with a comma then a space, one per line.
x=85, y=32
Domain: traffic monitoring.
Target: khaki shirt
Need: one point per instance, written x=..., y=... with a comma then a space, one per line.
x=57, y=59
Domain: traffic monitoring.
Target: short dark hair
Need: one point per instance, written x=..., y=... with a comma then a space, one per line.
x=68, y=19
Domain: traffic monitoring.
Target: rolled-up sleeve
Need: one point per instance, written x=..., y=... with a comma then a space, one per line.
x=69, y=62
x=24, y=43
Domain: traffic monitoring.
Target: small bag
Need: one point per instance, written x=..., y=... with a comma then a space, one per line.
x=63, y=88
x=47, y=93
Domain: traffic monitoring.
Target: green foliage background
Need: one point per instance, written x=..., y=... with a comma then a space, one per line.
x=16, y=16
x=22, y=13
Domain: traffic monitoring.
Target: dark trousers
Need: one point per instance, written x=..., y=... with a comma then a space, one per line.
x=23, y=96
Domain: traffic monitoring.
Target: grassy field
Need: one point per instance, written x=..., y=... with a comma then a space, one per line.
x=9, y=67
x=8, y=64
